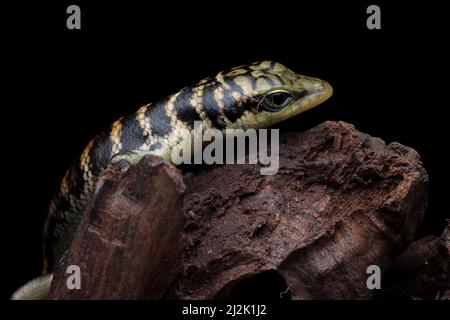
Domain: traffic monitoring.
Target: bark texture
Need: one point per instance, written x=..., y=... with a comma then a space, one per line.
x=130, y=242
x=340, y=202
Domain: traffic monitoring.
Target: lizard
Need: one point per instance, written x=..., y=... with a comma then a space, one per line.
x=257, y=95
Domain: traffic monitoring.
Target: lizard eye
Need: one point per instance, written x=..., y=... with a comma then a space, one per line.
x=274, y=102
x=279, y=99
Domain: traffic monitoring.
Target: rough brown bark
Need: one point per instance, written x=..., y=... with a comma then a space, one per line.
x=130, y=243
x=341, y=201
x=445, y=253
x=422, y=271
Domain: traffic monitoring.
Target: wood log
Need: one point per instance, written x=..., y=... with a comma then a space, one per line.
x=445, y=253
x=340, y=202
x=130, y=243
x=422, y=271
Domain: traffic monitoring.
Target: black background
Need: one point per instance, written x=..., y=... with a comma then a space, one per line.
x=64, y=86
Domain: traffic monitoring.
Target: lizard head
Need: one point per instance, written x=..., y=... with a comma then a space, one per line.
x=264, y=93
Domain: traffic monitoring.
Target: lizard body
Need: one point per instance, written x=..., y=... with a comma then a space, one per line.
x=252, y=96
